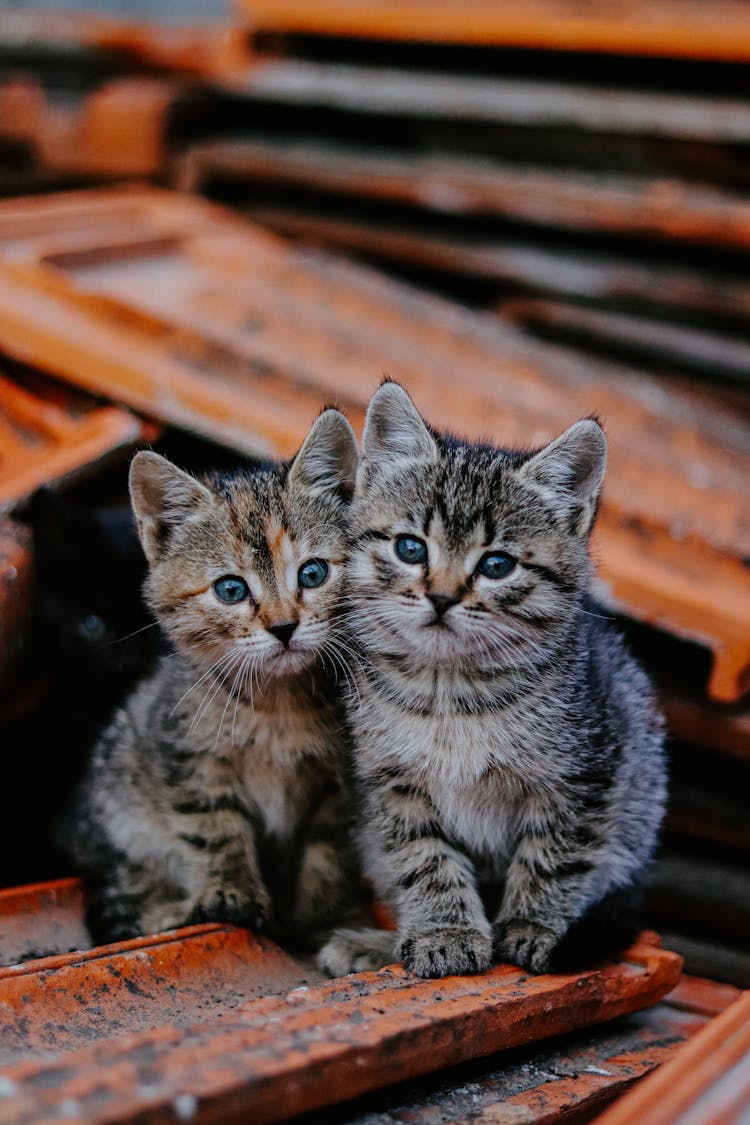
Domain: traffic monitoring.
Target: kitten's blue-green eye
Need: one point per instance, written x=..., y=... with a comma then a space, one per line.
x=497, y=565
x=312, y=573
x=411, y=550
x=230, y=589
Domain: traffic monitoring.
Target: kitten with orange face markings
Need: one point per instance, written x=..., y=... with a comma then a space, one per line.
x=218, y=793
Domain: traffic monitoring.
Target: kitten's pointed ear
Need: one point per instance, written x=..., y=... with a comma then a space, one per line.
x=327, y=461
x=162, y=495
x=571, y=469
x=395, y=428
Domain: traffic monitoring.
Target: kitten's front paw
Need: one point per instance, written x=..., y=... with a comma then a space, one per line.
x=526, y=943
x=357, y=951
x=224, y=903
x=445, y=951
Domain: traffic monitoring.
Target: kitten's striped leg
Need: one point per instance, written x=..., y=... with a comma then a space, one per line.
x=443, y=928
x=113, y=908
x=221, y=862
x=129, y=900
x=549, y=884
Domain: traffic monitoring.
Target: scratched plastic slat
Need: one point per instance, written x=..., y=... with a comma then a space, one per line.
x=271, y=1058
x=46, y=435
x=568, y=1079
x=707, y=1082
x=60, y=1004
x=200, y=319
x=671, y=28
x=683, y=346
x=498, y=101
x=570, y=272
x=625, y=204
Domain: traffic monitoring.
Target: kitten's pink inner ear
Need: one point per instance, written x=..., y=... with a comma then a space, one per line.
x=162, y=494
x=328, y=458
x=160, y=490
x=395, y=428
x=572, y=464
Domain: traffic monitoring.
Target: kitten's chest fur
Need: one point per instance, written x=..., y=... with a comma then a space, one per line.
x=277, y=753
x=479, y=769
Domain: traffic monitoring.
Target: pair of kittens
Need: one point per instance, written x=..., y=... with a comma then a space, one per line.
x=382, y=661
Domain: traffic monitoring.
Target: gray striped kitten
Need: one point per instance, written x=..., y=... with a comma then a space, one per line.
x=218, y=793
x=508, y=748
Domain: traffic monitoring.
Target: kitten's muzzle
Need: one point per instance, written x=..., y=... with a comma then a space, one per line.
x=442, y=603
x=283, y=632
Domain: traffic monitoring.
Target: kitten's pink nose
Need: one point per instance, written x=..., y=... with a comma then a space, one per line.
x=283, y=631
x=443, y=602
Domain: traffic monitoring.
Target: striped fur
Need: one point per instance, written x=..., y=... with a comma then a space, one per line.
x=508, y=749
x=219, y=791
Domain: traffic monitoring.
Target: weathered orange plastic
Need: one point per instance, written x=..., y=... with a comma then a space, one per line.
x=670, y=28
x=632, y=205
x=230, y=1022
x=47, y=433
x=118, y=130
x=707, y=1082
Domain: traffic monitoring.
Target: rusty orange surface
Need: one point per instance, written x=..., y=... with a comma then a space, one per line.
x=228, y=1021
x=16, y=580
x=47, y=434
x=191, y=315
x=671, y=28
x=706, y=1083
x=116, y=130
x=627, y=204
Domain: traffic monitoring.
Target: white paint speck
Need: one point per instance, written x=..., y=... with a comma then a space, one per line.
x=598, y=1070
x=7, y=1088
x=185, y=1106
x=70, y=1108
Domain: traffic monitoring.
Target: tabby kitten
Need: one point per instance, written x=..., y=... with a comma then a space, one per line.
x=218, y=791
x=508, y=748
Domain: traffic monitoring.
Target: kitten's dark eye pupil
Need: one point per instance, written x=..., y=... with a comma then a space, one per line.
x=497, y=565
x=411, y=550
x=230, y=589
x=312, y=573
x=92, y=627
